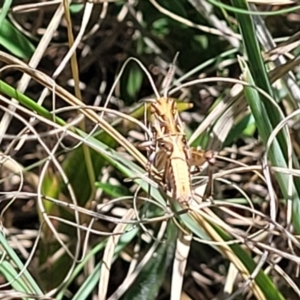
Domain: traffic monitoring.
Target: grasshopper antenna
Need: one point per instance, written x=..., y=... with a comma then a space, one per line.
x=170, y=75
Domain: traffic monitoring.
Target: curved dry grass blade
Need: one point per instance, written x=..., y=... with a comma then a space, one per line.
x=180, y=261
x=40, y=50
x=230, y=107
x=225, y=249
x=109, y=253
x=72, y=100
x=232, y=274
x=267, y=42
x=230, y=102
x=168, y=79
x=206, y=10
x=188, y=22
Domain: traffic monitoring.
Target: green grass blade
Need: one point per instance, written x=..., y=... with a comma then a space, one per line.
x=11, y=275
x=244, y=11
x=149, y=281
x=265, y=113
x=28, y=102
x=19, y=45
x=263, y=281
x=26, y=282
x=5, y=8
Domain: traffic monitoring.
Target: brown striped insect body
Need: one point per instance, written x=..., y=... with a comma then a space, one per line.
x=172, y=155
x=179, y=179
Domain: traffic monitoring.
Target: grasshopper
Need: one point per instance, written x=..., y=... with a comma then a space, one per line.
x=169, y=150
x=170, y=153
